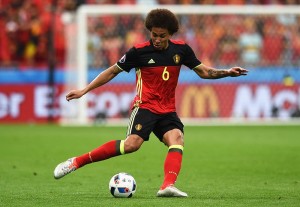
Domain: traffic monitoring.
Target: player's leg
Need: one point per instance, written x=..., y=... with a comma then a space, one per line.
x=111, y=149
x=115, y=147
x=174, y=140
x=108, y=150
x=172, y=129
x=139, y=129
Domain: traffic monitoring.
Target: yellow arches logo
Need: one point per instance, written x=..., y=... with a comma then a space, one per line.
x=202, y=100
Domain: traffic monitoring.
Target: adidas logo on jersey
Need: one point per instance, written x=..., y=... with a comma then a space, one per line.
x=151, y=61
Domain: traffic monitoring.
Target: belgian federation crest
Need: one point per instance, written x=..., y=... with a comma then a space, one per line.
x=176, y=58
x=138, y=127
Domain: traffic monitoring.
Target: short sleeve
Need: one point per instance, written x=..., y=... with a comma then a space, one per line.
x=129, y=60
x=190, y=59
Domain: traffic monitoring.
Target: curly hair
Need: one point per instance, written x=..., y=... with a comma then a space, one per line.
x=162, y=18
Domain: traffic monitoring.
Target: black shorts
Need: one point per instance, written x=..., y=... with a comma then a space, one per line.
x=142, y=122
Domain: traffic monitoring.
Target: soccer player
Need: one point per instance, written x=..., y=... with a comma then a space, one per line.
x=157, y=63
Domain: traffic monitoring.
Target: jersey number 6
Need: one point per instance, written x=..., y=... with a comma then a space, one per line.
x=165, y=75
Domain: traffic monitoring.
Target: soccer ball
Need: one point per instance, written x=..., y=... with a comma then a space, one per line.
x=122, y=185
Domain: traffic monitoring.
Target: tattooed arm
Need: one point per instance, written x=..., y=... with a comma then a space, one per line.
x=206, y=72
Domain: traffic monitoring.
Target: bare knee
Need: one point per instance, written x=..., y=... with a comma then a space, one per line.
x=132, y=143
x=173, y=137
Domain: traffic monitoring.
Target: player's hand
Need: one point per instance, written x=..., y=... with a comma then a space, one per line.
x=74, y=94
x=237, y=71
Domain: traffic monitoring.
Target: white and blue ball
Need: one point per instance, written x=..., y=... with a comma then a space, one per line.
x=122, y=185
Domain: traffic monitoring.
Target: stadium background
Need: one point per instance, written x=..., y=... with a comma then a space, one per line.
x=230, y=166
x=36, y=51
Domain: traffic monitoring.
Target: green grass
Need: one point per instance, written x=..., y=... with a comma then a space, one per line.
x=222, y=166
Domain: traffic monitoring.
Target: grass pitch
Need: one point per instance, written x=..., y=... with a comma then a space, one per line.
x=222, y=166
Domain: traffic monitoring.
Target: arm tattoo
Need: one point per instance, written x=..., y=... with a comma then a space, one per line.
x=216, y=73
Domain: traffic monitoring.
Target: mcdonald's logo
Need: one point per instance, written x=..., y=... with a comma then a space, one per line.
x=203, y=101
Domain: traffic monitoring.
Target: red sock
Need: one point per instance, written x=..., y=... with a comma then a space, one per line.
x=172, y=167
x=105, y=151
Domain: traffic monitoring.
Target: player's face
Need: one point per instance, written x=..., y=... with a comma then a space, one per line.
x=160, y=38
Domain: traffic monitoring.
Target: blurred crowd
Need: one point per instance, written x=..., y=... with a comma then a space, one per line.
x=251, y=40
x=25, y=31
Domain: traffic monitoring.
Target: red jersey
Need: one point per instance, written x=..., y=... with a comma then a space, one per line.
x=157, y=73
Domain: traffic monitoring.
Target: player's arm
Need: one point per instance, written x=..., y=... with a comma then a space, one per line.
x=207, y=72
x=100, y=80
